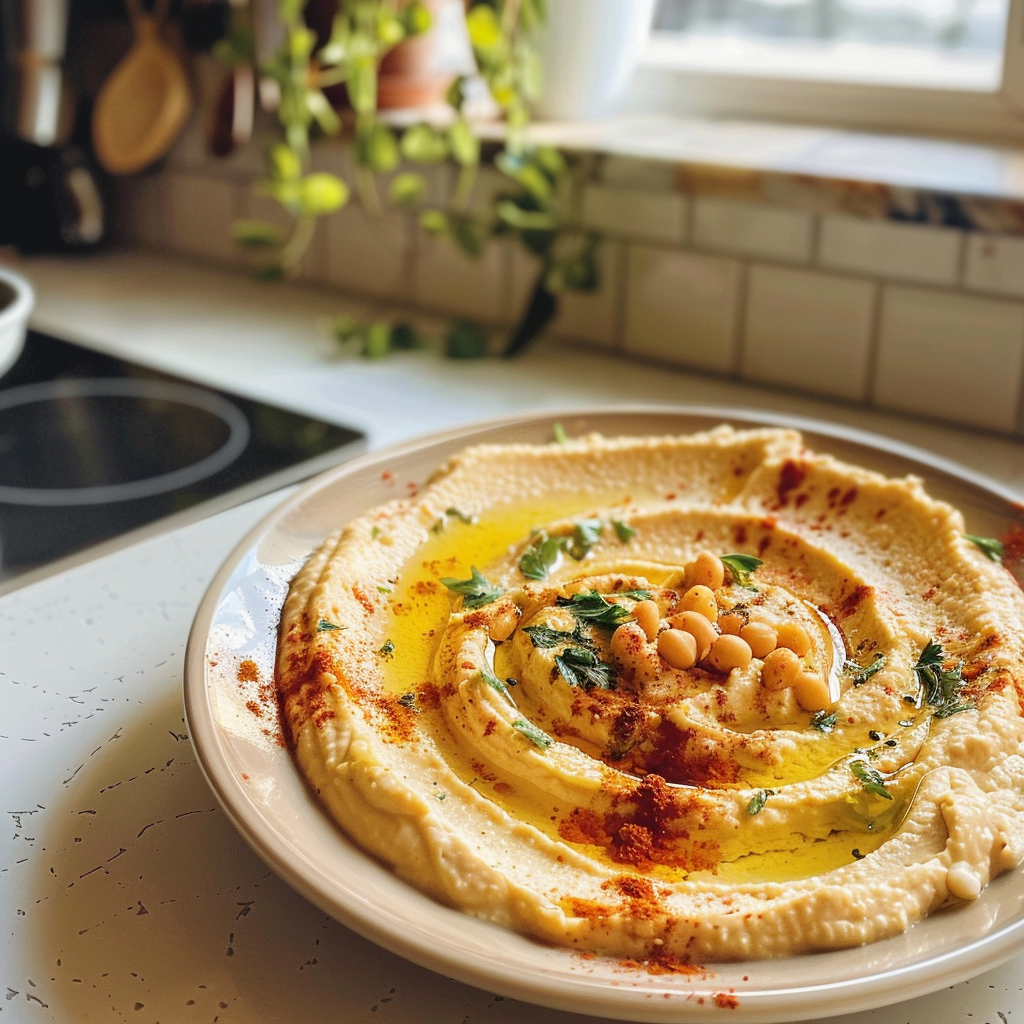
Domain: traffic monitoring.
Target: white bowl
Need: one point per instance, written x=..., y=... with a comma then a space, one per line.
x=17, y=300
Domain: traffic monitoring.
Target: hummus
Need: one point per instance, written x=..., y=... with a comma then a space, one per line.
x=684, y=699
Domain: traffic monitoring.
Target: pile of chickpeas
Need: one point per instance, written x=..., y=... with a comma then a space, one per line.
x=697, y=634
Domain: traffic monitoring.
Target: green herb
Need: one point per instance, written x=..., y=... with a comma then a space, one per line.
x=860, y=674
x=442, y=796
x=824, y=722
x=581, y=667
x=383, y=590
x=541, y=557
x=623, y=531
x=408, y=700
x=742, y=568
x=475, y=592
x=323, y=626
x=387, y=650
x=592, y=607
x=585, y=535
x=497, y=684
x=452, y=513
x=560, y=435
x=758, y=800
x=545, y=637
x=635, y=595
x=870, y=778
x=991, y=547
x=941, y=686
x=536, y=736
x=374, y=533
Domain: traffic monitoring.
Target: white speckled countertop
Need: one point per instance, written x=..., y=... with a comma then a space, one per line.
x=125, y=893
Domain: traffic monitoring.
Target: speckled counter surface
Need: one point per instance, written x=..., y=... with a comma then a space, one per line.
x=125, y=893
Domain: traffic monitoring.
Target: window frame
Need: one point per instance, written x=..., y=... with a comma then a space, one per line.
x=666, y=86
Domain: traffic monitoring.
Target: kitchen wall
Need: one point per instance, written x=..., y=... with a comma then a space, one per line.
x=908, y=297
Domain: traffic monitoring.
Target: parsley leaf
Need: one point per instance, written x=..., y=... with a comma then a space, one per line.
x=623, y=531
x=870, y=778
x=991, y=547
x=387, y=650
x=536, y=736
x=860, y=674
x=547, y=637
x=941, y=685
x=325, y=626
x=758, y=800
x=475, y=592
x=634, y=595
x=559, y=431
x=823, y=721
x=581, y=667
x=541, y=557
x=585, y=535
x=742, y=568
x=592, y=607
x=408, y=700
x=497, y=684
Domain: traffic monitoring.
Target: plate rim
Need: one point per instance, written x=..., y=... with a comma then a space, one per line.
x=623, y=1002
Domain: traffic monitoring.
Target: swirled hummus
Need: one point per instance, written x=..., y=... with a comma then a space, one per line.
x=708, y=697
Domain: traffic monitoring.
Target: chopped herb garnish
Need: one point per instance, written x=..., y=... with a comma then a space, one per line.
x=581, y=667
x=592, y=607
x=742, y=568
x=823, y=721
x=475, y=592
x=442, y=796
x=635, y=595
x=870, y=778
x=374, y=533
x=541, y=557
x=941, y=686
x=381, y=589
x=497, y=684
x=860, y=674
x=463, y=517
x=547, y=637
x=407, y=700
x=386, y=650
x=991, y=547
x=324, y=626
x=560, y=435
x=536, y=736
x=623, y=531
x=758, y=800
x=585, y=535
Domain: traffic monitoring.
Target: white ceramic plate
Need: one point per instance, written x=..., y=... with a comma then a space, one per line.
x=231, y=716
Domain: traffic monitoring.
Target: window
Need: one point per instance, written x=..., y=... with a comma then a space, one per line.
x=950, y=66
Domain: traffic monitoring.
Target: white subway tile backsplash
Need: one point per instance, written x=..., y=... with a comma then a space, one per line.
x=449, y=281
x=636, y=213
x=808, y=330
x=369, y=254
x=903, y=252
x=951, y=356
x=752, y=229
x=682, y=307
x=200, y=211
x=995, y=263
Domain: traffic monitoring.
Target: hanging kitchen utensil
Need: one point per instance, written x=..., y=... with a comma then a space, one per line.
x=145, y=102
x=230, y=124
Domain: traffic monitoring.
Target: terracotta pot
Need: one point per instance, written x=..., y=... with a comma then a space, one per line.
x=412, y=75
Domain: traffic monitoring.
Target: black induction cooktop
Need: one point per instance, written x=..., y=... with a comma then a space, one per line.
x=94, y=447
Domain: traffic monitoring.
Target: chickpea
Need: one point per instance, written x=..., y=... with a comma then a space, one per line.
x=706, y=569
x=698, y=627
x=811, y=692
x=504, y=623
x=761, y=637
x=701, y=599
x=648, y=618
x=629, y=647
x=731, y=623
x=729, y=652
x=678, y=648
x=793, y=636
x=781, y=669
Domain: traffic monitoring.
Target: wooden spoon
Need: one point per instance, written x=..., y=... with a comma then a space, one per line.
x=145, y=102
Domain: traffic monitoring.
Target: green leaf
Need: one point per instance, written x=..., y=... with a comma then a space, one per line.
x=991, y=547
x=546, y=637
x=870, y=779
x=581, y=668
x=424, y=145
x=377, y=340
x=824, y=721
x=404, y=338
x=742, y=568
x=381, y=149
x=484, y=29
x=436, y=223
x=542, y=557
x=362, y=85
x=285, y=163
x=326, y=626
x=860, y=675
x=407, y=189
x=466, y=233
x=560, y=435
x=623, y=531
x=256, y=234
x=525, y=220
x=465, y=146
x=416, y=18
x=386, y=650
x=941, y=686
x=390, y=31
x=475, y=592
x=758, y=800
x=585, y=535
x=322, y=112
x=496, y=684
x=593, y=608
x=465, y=340
x=322, y=193
x=536, y=736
